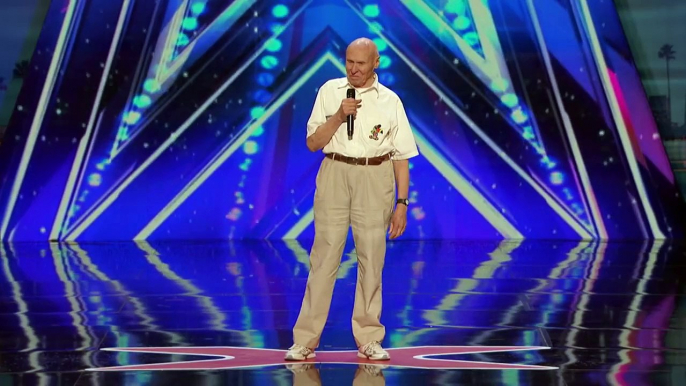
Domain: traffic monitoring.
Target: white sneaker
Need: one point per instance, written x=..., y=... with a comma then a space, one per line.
x=299, y=353
x=373, y=351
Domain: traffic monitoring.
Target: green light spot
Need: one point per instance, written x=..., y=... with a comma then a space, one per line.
x=371, y=10
x=250, y=147
x=280, y=11
x=384, y=62
x=274, y=45
x=456, y=6
x=380, y=44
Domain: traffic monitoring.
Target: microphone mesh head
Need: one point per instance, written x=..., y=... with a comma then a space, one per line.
x=351, y=93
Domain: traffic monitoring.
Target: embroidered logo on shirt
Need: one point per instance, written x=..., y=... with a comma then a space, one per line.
x=375, y=132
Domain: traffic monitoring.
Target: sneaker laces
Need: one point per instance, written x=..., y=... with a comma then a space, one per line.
x=302, y=350
x=371, y=347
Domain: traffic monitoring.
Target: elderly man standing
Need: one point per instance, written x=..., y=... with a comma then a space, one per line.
x=356, y=186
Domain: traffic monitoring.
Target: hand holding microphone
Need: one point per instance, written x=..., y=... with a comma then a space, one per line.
x=348, y=111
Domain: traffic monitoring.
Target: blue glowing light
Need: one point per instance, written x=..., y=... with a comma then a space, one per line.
x=387, y=78
x=250, y=147
x=557, y=178
x=265, y=79
x=189, y=23
x=256, y=112
x=577, y=208
x=262, y=96
x=568, y=194
x=269, y=62
x=380, y=44
x=456, y=6
x=461, y=23
x=384, y=61
x=273, y=45
x=142, y=101
x=198, y=7
x=371, y=10
x=132, y=117
x=280, y=11
x=182, y=40
x=151, y=86
x=519, y=116
x=509, y=100
x=95, y=179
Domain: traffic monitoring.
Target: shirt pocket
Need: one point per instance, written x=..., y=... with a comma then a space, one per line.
x=377, y=128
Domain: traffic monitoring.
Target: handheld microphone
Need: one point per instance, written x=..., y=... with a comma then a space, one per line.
x=351, y=121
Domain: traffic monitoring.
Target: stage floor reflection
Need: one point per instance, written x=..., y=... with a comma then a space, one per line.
x=531, y=312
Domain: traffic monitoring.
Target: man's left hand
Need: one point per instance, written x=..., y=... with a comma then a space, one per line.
x=398, y=221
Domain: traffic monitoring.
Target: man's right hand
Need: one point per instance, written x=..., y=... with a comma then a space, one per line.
x=349, y=106
x=323, y=134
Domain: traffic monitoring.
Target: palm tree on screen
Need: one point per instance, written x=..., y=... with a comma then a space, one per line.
x=21, y=69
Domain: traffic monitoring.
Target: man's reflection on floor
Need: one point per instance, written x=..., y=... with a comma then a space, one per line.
x=307, y=374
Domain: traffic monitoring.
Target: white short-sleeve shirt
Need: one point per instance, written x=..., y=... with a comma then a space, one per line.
x=381, y=126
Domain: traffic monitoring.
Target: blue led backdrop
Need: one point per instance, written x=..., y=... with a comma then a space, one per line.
x=185, y=119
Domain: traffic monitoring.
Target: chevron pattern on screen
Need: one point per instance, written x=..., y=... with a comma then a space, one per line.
x=185, y=119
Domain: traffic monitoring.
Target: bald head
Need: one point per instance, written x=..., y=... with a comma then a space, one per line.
x=361, y=59
x=365, y=45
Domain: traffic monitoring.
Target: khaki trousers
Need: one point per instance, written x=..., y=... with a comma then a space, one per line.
x=362, y=196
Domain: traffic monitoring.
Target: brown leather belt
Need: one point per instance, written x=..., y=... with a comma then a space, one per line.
x=359, y=161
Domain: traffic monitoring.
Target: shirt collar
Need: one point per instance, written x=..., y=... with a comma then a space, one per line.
x=375, y=86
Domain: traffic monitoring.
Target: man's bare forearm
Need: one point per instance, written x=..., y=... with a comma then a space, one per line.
x=402, y=177
x=324, y=133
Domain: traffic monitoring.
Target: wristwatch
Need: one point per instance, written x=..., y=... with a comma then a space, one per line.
x=403, y=201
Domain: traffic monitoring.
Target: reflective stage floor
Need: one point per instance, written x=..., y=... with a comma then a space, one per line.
x=510, y=313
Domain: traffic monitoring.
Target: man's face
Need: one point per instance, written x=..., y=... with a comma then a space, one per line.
x=360, y=63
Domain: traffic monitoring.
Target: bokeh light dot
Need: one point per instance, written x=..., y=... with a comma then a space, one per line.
x=557, y=178
x=371, y=10
x=190, y=23
x=269, y=62
x=142, y=101
x=95, y=179
x=456, y=6
x=384, y=61
x=274, y=45
x=250, y=147
x=265, y=79
x=461, y=23
x=509, y=100
x=280, y=11
x=380, y=44
x=256, y=112
x=471, y=38
x=258, y=131
x=198, y=7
